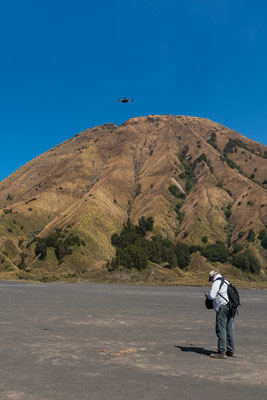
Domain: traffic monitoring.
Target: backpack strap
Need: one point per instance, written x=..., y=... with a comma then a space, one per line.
x=222, y=279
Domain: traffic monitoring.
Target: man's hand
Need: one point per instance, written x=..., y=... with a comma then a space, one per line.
x=206, y=294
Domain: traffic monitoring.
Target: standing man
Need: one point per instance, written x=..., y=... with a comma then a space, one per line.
x=224, y=316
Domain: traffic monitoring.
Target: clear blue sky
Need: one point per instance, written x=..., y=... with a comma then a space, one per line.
x=64, y=64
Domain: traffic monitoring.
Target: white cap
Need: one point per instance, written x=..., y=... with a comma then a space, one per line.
x=211, y=274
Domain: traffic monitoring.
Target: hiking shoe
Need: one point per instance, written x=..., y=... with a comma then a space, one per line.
x=230, y=353
x=219, y=356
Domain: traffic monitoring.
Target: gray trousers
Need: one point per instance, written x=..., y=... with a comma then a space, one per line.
x=225, y=329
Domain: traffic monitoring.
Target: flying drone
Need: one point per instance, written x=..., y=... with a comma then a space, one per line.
x=125, y=100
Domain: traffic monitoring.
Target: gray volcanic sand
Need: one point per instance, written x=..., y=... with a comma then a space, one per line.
x=99, y=341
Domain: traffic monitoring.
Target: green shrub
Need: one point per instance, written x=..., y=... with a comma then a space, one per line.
x=61, y=245
x=51, y=240
x=22, y=264
x=237, y=248
x=247, y=261
x=133, y=256
x=182, y=254
x=227, y=211
x=251, y=236
x=144, y=225
x=194, y=248
x=233, y=165
x=233, y=143
x=188, y=185
x=180, y=215
x=230, y=146
x=212, y=140
x=134, y=251
x=29, y=201
x=264, y=242
x=8, y=211
x=41, y=248
x=216, y=252
x=204, y=239
x=202, y=157
x=176, y=192
x=263, y=238
x=170, y=257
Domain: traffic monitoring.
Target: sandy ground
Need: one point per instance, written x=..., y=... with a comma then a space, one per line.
x=100, y=341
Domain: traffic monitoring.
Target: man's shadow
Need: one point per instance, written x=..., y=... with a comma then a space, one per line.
x=198, y=350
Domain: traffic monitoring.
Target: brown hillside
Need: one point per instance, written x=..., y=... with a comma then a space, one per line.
x=91, y=183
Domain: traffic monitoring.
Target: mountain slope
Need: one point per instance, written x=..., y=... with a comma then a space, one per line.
x=90, y=184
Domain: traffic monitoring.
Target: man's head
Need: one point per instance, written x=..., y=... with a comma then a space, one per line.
x=212, y=275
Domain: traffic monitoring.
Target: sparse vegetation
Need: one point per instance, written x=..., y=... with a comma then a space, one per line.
x=212, y=140
x=232, y=164
x=232, y=145
x=61, y=244
x=138, y=190
x=189, y=171
x=204, y=158
x=29, y=201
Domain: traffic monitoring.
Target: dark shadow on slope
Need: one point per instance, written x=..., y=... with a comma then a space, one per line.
x=198, y=350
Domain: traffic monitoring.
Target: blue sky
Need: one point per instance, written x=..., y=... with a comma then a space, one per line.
x=65, y=63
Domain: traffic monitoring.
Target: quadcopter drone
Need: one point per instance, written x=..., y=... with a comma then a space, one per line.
x=125, y=100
